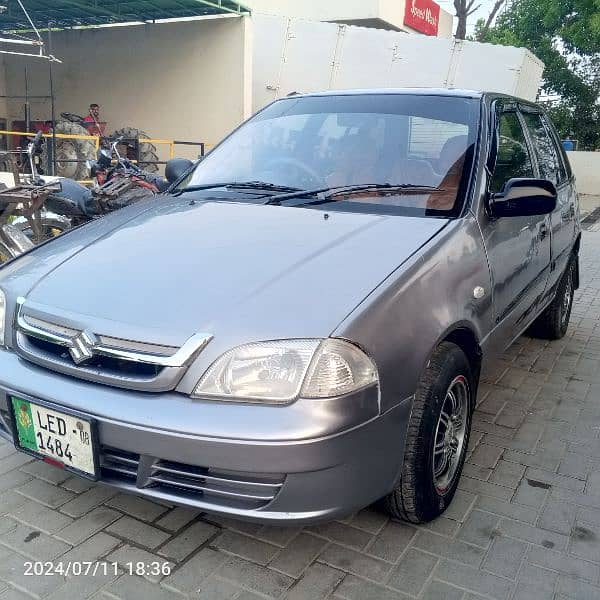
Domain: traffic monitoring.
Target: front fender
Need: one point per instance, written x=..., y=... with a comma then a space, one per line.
x=432, y=295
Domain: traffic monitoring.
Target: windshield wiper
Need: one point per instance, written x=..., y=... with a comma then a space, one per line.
x=325, y=195
x=242, y=185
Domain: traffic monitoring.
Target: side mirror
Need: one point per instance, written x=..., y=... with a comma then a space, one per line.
x=523, y=198
x=176, y=168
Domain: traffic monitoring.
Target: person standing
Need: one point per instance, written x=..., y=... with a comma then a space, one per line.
x=92, y=121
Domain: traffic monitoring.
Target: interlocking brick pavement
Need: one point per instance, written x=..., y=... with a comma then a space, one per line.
x=525, y=523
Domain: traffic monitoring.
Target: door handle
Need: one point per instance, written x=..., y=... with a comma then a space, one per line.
x=543, y=231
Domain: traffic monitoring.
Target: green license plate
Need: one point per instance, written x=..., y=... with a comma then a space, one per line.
x=60, y=438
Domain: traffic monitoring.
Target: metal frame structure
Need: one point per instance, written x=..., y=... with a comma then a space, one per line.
x=66, y=14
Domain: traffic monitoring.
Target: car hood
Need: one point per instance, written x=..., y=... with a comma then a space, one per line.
x=238, y=271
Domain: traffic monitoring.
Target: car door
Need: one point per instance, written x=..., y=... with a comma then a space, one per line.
x=553, y=168
x=518, y=248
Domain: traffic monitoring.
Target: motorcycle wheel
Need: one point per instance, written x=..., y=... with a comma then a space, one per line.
x=148, y=152
x=51, y=227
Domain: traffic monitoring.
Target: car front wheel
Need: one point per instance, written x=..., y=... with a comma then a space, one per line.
x=437, y=438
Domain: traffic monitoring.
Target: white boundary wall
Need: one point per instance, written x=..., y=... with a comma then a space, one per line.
x=586, y=166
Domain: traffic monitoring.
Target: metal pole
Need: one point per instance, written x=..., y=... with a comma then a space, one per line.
x=52, y=103
x=27, y=106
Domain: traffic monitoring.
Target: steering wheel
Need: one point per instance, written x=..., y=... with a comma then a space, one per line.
x=307, y=176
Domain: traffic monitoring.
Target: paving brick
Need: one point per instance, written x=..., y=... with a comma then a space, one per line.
x=45, y=493
x=508, y=474
x=33, y=543
x=83, y=586
x=188, y=540
x=213, y=588
x=370, y=520
x=78, y=484
x=138, y=532
x=48, y=473
x=504, y=557
x=506, y=509
x=12, y=571
x=254, y=577
x=354, y=588
x=280, y=536
x=92, y=549
x=557, y=516
x=531, y=493
x=486, y=456
x=316, y=583
x=10, y=501
x=447, y=548
x=577, y=589
x=539, y=475
x=585, y=541
x=533, y=535
x=88, y=500
x=412, y=572
x=137, y=507
x=574, y=465
x=438, y=590
x=177, y=518
x=40, y=517
x=246, y=547
x=86, y=526
x=343, y=534
x=14, y=461
x=354, y=562
x=563, y=564
x=293, y=559
x=187, y=578
x=460, y=506
x=484, y=487
x=479, y=528
x=392, y=541
x=128, y=586
x=473, y=579
x=13, y=479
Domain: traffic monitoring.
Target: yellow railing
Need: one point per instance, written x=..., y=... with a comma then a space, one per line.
x=68, y=136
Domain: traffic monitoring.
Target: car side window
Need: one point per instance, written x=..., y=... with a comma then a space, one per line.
x=514, y=159
x=545, y=150
x=563, y=163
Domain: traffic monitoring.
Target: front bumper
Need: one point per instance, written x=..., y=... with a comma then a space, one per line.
x=325, y=465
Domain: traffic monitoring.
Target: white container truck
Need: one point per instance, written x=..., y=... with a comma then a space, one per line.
x=296, y=55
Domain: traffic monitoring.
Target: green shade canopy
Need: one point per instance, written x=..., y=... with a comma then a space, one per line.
x=64, y=14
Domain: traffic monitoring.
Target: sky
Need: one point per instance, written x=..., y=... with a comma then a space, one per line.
x=482, y=13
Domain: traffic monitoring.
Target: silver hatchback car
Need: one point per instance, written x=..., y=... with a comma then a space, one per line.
x=297, y=329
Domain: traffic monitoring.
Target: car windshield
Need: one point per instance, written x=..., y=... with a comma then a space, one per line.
x=320, y=142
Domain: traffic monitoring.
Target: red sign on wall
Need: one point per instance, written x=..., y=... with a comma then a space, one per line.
x=422, y=15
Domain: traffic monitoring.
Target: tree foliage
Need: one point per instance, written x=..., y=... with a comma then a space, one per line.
x=565, y=34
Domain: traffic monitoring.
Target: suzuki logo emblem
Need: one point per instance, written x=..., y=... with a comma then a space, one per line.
x=82, y=347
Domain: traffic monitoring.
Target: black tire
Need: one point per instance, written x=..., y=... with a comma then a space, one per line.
x=148, y=152
x=69, y=150
x=553, y=323
x=51, y=227
x=419, y=498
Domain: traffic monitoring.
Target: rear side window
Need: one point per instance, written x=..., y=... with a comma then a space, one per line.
x=514, y=159
x=547, y=156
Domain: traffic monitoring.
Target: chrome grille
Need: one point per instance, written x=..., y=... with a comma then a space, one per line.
x=100, y=357
x=214, y=486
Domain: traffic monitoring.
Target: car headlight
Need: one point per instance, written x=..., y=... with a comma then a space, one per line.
x=2, y=316
x=280, y=371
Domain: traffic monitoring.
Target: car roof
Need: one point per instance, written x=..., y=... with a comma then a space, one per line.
x=462, y=93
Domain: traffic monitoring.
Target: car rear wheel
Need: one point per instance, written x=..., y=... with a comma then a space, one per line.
x=553, y=323
x=437, y=438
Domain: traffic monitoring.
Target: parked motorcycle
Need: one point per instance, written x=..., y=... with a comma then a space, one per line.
x=23, y=218
x=118, y=182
